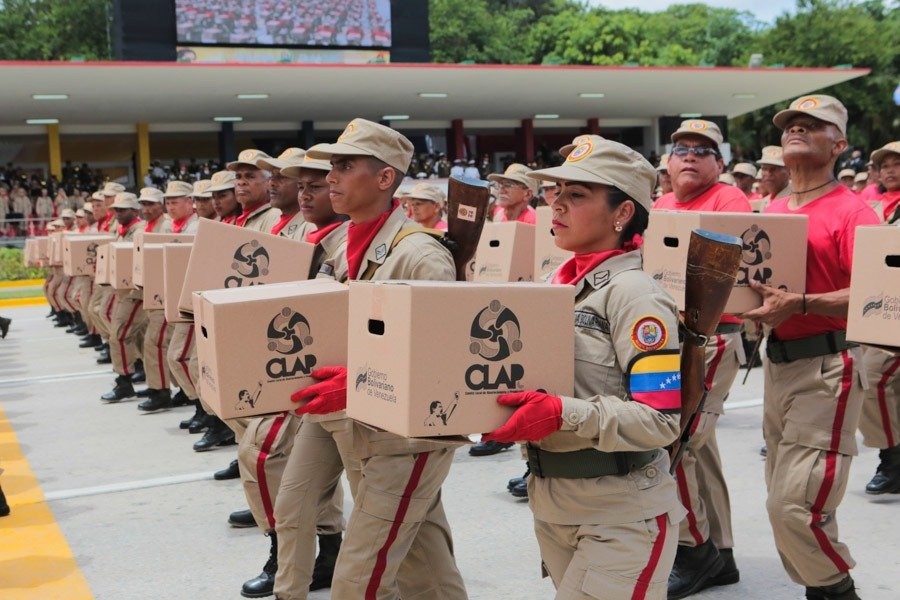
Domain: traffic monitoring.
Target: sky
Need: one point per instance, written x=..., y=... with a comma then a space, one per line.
x=764, y=11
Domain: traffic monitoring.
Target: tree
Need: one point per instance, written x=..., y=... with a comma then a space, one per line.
x=54, y=30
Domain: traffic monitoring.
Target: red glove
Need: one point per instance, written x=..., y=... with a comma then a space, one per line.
x=327, y=396
x=538, y=416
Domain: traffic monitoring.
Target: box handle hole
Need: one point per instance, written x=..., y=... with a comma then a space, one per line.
x=670, y=242
x=376, y=327
x=203, y=331
x=494, y=243
x=892, y=260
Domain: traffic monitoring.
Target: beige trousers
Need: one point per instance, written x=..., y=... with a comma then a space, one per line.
x=312, y=477
x=630, y=561
x=812, y=410
x=102, y=303
x=157, y=338
x=83, y=289
x=181, y=357
x=129, y=320
x=880, y=421
x=701, y=482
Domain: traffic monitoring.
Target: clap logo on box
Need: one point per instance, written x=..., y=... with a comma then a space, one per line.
x=288, y=334
x=495, y=335
x=251, y=260
x=756, y=251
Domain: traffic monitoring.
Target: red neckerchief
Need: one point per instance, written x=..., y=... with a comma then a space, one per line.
x=360, y=236
x=314, y=237
x=229, y=220
x=573, y=270
x=178, y=224
x=104, y=224
x=282, y=221
x=123, y=229
x=245, y=214
x=889, y=202
x=150, y=225
x=82, y=229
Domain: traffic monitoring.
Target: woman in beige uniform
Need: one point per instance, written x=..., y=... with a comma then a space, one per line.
x=605, y=507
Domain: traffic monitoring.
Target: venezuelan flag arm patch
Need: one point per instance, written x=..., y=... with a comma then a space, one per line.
x=654, y=379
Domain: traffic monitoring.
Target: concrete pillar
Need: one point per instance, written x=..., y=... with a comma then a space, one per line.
x=457, y=142
x=143, y=151
x=527, y=140
x=54, y=158
x=593, y=126
x=307, y=134
x=227, y=152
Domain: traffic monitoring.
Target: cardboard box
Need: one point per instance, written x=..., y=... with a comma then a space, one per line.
x=505, y=253
x=547, y=256
x=874, y=311
x=121, y=256
x=56, y=249
x=101, y=275
x=137, y=267
x=42, y=251
x=429, y=359
x=774, y=251
x=29, y=254
x=80, y=253
x=258, y=345
x=175, y=263
x=226, y=256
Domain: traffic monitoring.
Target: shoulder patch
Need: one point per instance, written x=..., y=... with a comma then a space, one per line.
x=600, y=279
x=589, y=320
x=380, y=252
x=648, y=334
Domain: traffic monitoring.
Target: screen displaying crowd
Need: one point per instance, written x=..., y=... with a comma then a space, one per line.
x=352, y=23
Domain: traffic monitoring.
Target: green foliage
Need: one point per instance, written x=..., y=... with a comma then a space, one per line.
x=12, y=266
x=54, y=29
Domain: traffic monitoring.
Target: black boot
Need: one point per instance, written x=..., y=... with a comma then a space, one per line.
x=520, y=490
x=240, y=519
x=63, y=319
x=729, y=573
x=887, y=475
x=123, y=389
x=488, y=448
x=145, y=393
x=4, y=326
x=515, y=481
x=4, y=506
x=693, y=569
x=218, y=434
x=197, y=410
x=232, y=471
x=103, y=347
x=181, y=399
x=77, y=327
x=202, y=422
x=51, y=314
x=323, y=571
x=91, y=341
x=264, y=584
x=158, y=400
x=138, y=376
x=842, y=590
x=105, y=358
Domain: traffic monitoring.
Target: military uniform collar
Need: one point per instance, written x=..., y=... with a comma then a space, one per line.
x=378, y=250
x=605, y=271
x=257, y=212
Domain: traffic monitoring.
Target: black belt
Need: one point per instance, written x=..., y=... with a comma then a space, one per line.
x=702, y=340
x=587, y=463
x=785, y=351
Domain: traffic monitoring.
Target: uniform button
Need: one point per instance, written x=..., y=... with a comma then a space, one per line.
x=650, y=472
x=573, y=418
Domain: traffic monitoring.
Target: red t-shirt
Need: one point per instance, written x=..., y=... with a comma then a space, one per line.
x=528, y=215
x=718, y=198
x=870, y=192
x=833, y=219
x=889, y=201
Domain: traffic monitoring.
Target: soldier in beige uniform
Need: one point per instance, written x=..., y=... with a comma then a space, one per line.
x=284, y=193
x=606, y=510
x=103, y=299
x=203, y=204
x=251, y=191
x=398, y=541
x=128, y=319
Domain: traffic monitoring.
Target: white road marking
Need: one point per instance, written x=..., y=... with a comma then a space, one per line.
x=127, y=486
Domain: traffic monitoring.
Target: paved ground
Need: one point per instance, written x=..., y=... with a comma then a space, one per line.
x=145, y=520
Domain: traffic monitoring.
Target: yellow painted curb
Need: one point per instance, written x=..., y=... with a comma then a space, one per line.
x=21, y=283
x=12, y=302
x=36, y=562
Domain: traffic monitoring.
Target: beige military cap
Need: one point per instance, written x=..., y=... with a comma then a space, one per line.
x=307, y=162
x=772, y=155
x=706, y=129
x=220, y=181
x=178, y=189
x=880, y=154
x=126, y=200
x=98, y=195
x=79, y=213
x=55, y=224
x=846, y=173
x=87, y=208
x=201, y=189
x=548, y=184
x=250, y=157
x=824, y=108
x=744, y=169
x=365, y=138
x=111, y=188
x=727, y=178
x=518, y=173
x=663, y=163
x=598, y=160
x=67, y=213
x=423, y=191
x=863, y=176
x=151, y=194
x=292, y=157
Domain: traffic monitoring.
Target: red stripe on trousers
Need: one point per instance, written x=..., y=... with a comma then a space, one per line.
x=182, y=360
x=159, y=354
x=109, y=307
x=711, y=374
x=831, y=468
x=381, y=558
x=882, y=402
x=646, y=576
x=136, y=307
x=261, y=468
x=686, y=502
x=66, y=295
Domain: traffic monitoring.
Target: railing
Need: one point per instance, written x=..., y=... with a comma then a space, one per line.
x=13, y=232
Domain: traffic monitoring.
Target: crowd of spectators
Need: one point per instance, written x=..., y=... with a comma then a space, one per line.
x=283, y=22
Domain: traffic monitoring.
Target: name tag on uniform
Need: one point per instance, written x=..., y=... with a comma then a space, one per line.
x=588, y=320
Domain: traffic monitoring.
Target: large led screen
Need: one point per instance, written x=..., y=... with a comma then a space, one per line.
x=331, y=23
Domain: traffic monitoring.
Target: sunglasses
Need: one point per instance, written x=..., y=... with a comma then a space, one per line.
x=698, y=151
